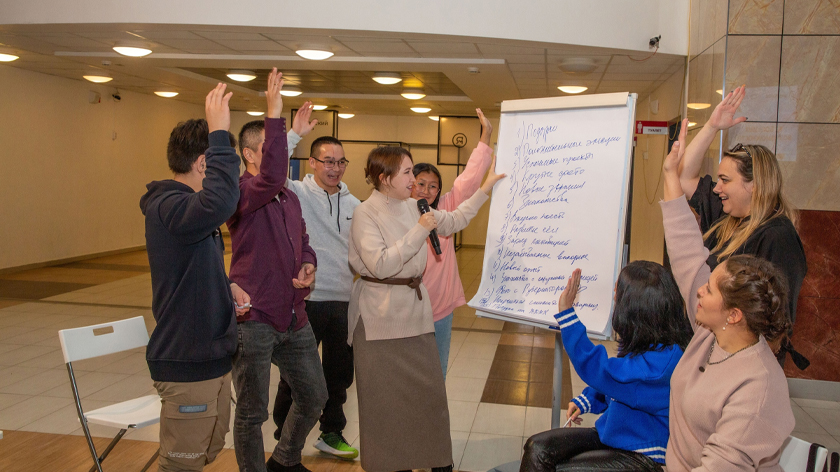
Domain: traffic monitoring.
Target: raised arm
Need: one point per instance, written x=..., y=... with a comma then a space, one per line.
x=682, y=236
x=468, y=182
x=723, y=117
x=451, y=222
x=301, y=126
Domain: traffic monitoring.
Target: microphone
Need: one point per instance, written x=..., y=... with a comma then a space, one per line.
x=423, y=206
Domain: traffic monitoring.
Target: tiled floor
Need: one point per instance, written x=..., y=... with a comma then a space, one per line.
x=498, y=383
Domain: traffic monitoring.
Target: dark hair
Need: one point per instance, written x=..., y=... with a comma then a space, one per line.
x=424, y=167
x=187, y=141
x=649, y=311
x=760, y=290
x=249, y=137
x=384, y=162
x=322, y=140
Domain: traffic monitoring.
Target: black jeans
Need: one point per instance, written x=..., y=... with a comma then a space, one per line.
x=329, y=323
x=579, y=450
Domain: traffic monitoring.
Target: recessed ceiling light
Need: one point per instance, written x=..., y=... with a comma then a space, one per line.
x=8, y=57
x=413, y=94
x=290, y=91
x=434, y=118
x=691, y=124
x=255, y=113
x=166, y=94
x=242, y=75
x=421, y=109
x=719, y=92
x=314, y=54
x=98, y=78
x=572, y=88
x=698, y=106
x=132, y=51
x=577, y=65
x=346, y=116
x=319, y=107
x=387, y=78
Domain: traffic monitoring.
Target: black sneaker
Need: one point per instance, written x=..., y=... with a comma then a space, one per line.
x=274, y=466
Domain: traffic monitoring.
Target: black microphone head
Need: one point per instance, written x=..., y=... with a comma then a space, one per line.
x=423, y=206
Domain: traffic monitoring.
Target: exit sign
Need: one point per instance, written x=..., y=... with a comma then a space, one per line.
x=651, y=127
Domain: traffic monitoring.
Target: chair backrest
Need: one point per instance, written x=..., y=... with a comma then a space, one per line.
x=101, y=339
x=802, y=456
x=832, y=464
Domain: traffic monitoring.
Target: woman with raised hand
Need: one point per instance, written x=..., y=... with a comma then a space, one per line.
x=745, y=211
x=631, y=390
x=730, y=407
x=441, y=275
x=403, y=413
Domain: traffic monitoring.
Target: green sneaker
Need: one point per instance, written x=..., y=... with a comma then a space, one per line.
x=335, y=444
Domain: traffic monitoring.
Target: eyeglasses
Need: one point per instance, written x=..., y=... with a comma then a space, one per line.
x=741, y=148
x=431, y=188
x=342, y=164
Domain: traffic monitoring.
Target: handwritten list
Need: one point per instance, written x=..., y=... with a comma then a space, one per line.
x=561, y=207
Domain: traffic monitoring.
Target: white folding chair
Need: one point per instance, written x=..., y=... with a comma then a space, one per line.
x=99, y=340
x=802, y=456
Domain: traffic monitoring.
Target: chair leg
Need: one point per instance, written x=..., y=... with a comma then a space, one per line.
x=108, y=451
x=96, y=461
x=151, y=461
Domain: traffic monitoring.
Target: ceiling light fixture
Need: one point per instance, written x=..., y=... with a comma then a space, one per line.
x=434, y=118
x=314, y=54
x=698, y=106
x=421, y=109
x=290, y=91
x=387, y=78
x=132, y=50
x=6, y=57
x=691, y=124
x=98, y=78
x=346, y=116
x=165, y=94
x=242, y=75
x=255, y=113
x=572, y=88
x=577, y=65
x=719, y=92
x=413, y=94
x=319, y=107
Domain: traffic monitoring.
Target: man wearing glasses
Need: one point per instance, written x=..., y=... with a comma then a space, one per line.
x=328, y=211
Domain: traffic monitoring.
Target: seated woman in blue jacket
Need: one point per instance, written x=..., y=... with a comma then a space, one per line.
x=631, y=391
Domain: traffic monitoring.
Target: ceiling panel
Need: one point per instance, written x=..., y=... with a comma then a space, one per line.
x=263, y=46
x=231, y=36
x=443, y=47
x=385, y=46
x=497, y=49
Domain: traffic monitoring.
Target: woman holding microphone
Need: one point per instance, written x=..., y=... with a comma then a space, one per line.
x=403, y=413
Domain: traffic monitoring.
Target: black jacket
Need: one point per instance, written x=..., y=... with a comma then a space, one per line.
x=195, y=336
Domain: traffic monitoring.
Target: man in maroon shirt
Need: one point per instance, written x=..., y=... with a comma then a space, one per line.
x=272, y=262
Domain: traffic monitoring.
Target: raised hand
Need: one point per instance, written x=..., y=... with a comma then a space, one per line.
x=486, y=127
x=302, y=126
x=671, y=163
x=724, y=115
x=272, y=95
x=567, y=298
x=217, y=110
x=305, y=277
x=492, y=178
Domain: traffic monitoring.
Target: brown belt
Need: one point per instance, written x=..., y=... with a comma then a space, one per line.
x=413, y=282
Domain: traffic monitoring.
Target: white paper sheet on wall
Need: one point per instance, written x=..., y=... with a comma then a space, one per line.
x=561, y=207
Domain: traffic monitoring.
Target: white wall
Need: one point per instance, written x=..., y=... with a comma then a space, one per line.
x=619, y=24
x=67, y=188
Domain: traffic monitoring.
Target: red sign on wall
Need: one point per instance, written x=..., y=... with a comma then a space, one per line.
x=651, y=127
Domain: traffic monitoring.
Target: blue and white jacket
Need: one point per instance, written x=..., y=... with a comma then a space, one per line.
x=632, y=392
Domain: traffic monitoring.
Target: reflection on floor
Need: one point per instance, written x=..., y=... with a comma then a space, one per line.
x=498, y=384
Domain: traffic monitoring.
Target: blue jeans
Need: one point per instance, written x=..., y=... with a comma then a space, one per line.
x=443, y=338
x=296, y=354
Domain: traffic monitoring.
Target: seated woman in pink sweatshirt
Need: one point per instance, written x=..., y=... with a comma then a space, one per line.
x=441, y=274
x=730, y=407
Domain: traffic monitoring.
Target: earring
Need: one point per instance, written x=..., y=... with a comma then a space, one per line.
x=724, y=326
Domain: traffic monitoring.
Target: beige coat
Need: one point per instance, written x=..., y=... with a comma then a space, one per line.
x=386, y=241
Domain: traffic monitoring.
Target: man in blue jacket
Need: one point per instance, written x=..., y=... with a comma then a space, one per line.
x=190, y=351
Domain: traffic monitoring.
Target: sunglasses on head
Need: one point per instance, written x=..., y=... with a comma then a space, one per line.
x=740, y=148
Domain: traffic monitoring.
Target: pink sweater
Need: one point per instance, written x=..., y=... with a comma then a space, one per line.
x=735, y=415
x=441, y=275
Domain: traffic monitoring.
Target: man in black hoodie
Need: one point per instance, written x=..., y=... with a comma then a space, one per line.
x=191, y=348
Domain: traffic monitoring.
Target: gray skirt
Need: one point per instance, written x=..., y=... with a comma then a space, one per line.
x=403, y=414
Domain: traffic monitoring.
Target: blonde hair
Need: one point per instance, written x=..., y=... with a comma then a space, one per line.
x=755, y=164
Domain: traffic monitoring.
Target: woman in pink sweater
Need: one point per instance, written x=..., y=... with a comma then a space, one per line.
x=730, y=407
x=441, y=274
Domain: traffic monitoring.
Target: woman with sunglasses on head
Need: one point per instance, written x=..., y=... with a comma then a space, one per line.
x=730, y=406
x=746, y=211
x=441, y=275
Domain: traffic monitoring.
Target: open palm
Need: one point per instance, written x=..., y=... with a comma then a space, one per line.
x=724, y=115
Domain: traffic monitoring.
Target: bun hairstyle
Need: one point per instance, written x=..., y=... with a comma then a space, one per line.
x=757, y=288
x=384, y=162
